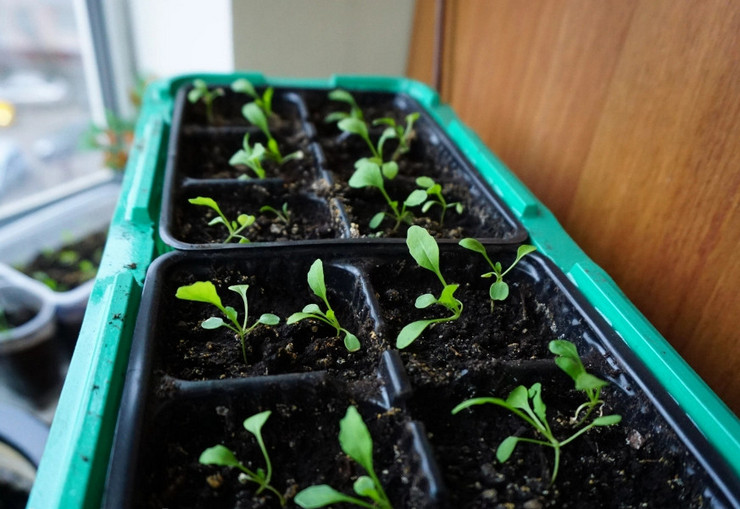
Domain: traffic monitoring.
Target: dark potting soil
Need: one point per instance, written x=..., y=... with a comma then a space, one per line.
x=189, y=352
x=310, y=217
x=69, y=266
x=301, y=436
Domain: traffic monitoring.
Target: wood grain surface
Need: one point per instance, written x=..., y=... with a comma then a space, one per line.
x=623, y=117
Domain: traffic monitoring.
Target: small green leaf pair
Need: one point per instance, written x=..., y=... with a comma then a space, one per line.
x=235, y=228
x=499, y=288
x=356, y=442
x=435, y=197
x=201, y=91
x=251, y=157
x=264, y=102
x=313, y=311
x=205, y=291
x=256, y=116
x=370, y=174
x=223, y=456
x=424, y=250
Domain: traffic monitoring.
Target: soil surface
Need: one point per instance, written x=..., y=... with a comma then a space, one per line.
x=69, y=266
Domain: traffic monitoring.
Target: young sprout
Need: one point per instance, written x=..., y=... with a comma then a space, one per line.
x=256, y=116
x=434, y=192
x=356, y=442
x=499, y=288
x=200, y=91
x=395, y=131
x=251, y=157
x=313, y=311
x=264, y=102
x=205, y=291
x=235, y=228
x=282, y=215
x=425, y=251
x=345, y=97
x=223, y=456
x=527, y=404
x=359, y=127
x=569, y=361
x=369, y=174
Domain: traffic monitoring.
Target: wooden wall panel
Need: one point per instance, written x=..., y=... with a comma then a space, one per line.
x=623, y=117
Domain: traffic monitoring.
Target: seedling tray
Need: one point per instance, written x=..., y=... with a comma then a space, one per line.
x=373, y=288
x=72, y=473
x=315, y=186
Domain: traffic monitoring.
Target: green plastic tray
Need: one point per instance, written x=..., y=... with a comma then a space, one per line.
x=73, y=468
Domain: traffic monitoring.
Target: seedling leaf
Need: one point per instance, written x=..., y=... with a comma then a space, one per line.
x=321, y=495
x=410, y=332
x=213, y=322
x=355, y=440
x=506, y=448
x=423, y=248
x=499, y=290
x=316, y=279
x=200, y=291
x=219, y=455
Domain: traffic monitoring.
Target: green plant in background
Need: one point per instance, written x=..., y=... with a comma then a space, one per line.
x=4, y=323
x=201, y=92
x=223, y=456
x=316, y=283
x=345, y=97
x=256, y=116
x=251, y=157
x=282, y=215
x=369, y=174
x=356, y=442
x=527, y=404
x=569, y=361
x=499, y=289
x=235, y=228
x=435, y=197
x=264, y=102
x=205, y=291
x=424, y=250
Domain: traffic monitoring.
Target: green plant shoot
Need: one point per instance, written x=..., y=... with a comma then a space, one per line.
x=359, y=127
x=569, y=361
x=499, y=289
x=223, y=456
x=356, y=442
x=251, y=157
x=369, y=174
x=4, y=323
x=205, y=291
x=527, y=404
x=235, y=228
x=316, y=283
x=256, y=116
x=200, y=91
x=282, y=215
x=424, y=250
x=435, y=197
x=345, y=97
x=404, y=135
x=244, y=86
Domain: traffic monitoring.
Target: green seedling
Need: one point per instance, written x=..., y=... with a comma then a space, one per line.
x=434, y=194
x=345, y=97
x=49, y=281
x=282, y=215
x=356, y=442
x=313, y=311
x=223, y=456
x=527, y=404
x=251, y=157
x=244, y=86
x=235, y=228
x=404, y=135
x=425, y=251
x=499, y=290
x=200, y=91
x=205, y=291
x=569, y=361
x=256, y=116
x=4, y=323
x=369, y=174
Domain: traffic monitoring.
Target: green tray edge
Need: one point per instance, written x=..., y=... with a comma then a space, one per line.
x=74, y=464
